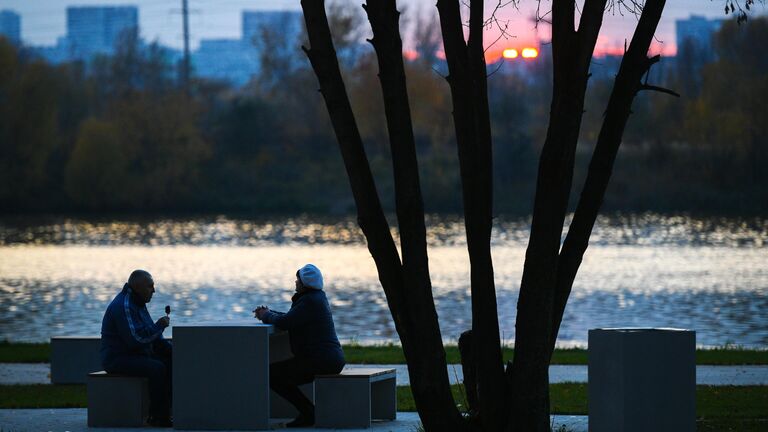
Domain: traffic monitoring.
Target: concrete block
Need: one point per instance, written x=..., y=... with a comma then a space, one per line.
x=116, y=400
x=73, y=358
x=642, y=379
x=343, y=403
x=354, y=397
x=221, y=376
x=384, y=399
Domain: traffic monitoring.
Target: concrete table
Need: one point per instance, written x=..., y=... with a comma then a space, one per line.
x=221, y=376
x=642, y=379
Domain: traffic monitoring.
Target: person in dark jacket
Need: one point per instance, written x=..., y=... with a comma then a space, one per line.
x=314, y=344
x=132, y=344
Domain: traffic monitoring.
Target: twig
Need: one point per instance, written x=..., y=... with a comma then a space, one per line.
x=501, y=63
x=658, y=89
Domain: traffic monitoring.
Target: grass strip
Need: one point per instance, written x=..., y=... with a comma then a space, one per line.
x=393, y=354
x=712, y=402
x=42, y=396
x=24, y=352
x=732, y=425
x=718, y=408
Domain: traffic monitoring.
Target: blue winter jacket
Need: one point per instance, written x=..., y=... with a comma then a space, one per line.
x=128, y=330
x=311, y=331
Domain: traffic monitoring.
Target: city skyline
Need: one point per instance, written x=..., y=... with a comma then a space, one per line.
x=44, y=21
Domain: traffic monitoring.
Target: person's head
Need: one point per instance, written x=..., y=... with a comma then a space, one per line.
x=307, y=278
x=142, y=284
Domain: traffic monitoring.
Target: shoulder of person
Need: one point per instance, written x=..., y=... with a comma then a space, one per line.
x=117, y=301
x=311, y=297
x=317, y=294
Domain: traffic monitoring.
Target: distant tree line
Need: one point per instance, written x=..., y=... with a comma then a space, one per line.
x=119, y=134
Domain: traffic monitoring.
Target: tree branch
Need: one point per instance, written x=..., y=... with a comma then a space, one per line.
x=628, y=82
x=468, y=84
x=424, y=352
x=659, y=89
x=370, y=215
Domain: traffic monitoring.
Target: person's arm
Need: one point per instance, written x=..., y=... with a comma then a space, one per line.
x=133, y=330
x=301, y=313
x=260, y=311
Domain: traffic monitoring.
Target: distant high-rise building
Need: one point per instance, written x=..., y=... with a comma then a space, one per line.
x=694, y=37
x=696, y=31
x=96, y=29
x=229, y=60
x=237, y=60
x=10, y=26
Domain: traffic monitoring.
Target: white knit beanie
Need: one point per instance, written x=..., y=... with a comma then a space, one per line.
x=311, y=277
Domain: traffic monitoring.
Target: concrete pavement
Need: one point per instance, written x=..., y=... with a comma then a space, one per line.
x=39, y=373
x=75, y=420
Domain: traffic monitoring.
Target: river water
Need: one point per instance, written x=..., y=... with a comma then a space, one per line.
x=57, y=275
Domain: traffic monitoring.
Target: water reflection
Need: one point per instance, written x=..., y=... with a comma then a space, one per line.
x=629, y=229
x=56, y=277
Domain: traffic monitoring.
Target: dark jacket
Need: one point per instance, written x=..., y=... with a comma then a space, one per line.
x=310, y=329
x=128, y=330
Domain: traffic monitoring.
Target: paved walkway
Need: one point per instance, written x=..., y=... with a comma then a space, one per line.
x=39, y=373
x=75, y=420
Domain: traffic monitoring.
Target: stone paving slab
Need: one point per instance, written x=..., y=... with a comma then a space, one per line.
x=39, y=373
x=74, y=420
x=25, y=373
x=705, y=375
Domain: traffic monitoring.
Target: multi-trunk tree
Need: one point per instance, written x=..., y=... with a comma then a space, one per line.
x=515, y=396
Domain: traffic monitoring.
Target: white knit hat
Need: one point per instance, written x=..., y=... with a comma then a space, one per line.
x=311, y=277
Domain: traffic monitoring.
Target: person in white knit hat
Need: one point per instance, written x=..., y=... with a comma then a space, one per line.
x=314, y=343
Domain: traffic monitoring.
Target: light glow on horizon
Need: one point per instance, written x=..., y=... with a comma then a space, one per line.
x=510, y=53
x=530, y=53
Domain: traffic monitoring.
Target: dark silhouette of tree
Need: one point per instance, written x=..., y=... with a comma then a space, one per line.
x=516, y=398
x=29, y=123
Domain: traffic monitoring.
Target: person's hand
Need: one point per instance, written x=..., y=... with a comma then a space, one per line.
x=163, y=322
x=260, y=311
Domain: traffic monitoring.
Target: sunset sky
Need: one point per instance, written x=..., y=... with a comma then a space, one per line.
x=44, y=20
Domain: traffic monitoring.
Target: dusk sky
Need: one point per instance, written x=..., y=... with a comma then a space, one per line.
x=44, y=20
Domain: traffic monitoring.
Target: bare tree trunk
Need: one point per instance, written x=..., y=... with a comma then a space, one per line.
x=370, y=217
x=425, y=354
x=529, y=372
x=467, y=80
x=628, y=82
x=407, y=286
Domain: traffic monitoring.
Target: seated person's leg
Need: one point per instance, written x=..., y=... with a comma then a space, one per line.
x=157, y=376
x=166, y=359
x=286, y=376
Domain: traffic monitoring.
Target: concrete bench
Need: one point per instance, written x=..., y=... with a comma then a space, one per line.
x=354, y=397
x=117, y=400
x=73, y=358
